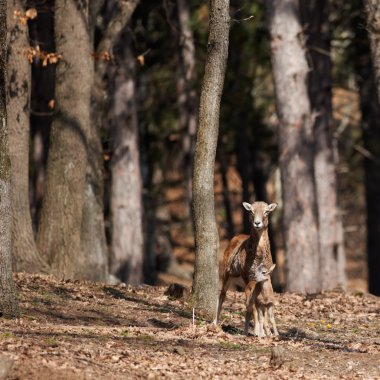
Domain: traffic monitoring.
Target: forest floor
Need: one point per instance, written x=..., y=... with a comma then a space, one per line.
x=82, y=330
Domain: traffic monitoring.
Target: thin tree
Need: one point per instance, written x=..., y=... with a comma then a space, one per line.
x=205, y=284
x=8, y=296
x=331, y=246
x=126, y=192
x=126, y=259
x=296, y=146
x=59, y=234
x=24, y=249
x=368, y=69
x=187, y=97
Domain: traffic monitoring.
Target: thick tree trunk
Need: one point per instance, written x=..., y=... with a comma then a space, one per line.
x=24, y=249
x=331, y=246
x=295, y=146
x=205, y=284
x=126, y=193
x=187, y=97
x=369, y=88
x=8, y=296
x=59, y=235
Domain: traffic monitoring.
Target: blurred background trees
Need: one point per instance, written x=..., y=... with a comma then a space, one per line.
x=102, y=122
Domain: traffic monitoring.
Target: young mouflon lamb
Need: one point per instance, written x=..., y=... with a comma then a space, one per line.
x=244, y=255
x=263, y=297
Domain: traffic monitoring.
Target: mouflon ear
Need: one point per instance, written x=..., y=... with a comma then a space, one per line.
x=272, y=207
x=247, y=206
x=271, y=269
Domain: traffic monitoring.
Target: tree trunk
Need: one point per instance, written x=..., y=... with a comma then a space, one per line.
x=41, y=31
x=93, y=260
x=295, y=146
x=187, y=97
x=126, y=201
x=205, y=284
x=59, y=235
x=331, y=247
x=24, y=249
x=370, y=108
x=8, y=296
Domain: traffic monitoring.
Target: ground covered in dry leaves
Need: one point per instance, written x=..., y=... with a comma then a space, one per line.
x=82, y=330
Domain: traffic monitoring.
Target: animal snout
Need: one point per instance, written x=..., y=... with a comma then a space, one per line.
x=258, y=223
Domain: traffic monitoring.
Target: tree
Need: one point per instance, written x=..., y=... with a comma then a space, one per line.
x=126, y=189
x=59, y=234
x=187, y=98
x=368, y=70
x=24, y=249
x=205, y=284
x=296, y=145
x=331, y=246
x=8, y=297
x=126, y=232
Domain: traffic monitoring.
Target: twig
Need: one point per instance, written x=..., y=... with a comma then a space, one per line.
x=243, y=19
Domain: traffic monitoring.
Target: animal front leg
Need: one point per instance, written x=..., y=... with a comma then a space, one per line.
x=268, y=333
x=250, y=305
x=261, y=316
x=256, y=318
x=272, y=320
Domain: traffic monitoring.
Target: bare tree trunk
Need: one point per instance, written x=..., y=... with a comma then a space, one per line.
x=331, y=246
x=93, y=231
x=24, y=250
x=41, y=32
x=369, y=89
x=59, y=235
x=187, y=97
x=93, y=260
x=8, y=296
x=126, y=201
x=295, y=146
x=205, y=284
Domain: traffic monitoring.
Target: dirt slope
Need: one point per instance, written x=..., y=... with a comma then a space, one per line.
x=78, y=330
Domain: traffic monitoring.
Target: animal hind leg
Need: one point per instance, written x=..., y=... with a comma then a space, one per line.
x=225, y=284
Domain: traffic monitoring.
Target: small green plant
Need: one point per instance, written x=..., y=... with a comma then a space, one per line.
x=124, y=333
x=51, y=341
x=7, y=335
x=230, y=345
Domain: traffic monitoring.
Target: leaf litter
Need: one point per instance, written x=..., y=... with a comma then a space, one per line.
x=83, y=330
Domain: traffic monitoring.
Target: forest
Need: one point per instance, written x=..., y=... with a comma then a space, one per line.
x=172, y=171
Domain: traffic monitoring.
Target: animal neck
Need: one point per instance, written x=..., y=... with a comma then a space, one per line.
x=259, y=237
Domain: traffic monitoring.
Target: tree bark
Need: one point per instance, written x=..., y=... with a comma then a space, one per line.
x=59, y=235
x=205, y=284
x=126, y=202
x=187, y=97
x=368, y=69
x=24, y=249
x=331, y=246
x=8, y=297
x=295, y=146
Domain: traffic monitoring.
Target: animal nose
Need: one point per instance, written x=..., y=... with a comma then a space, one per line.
x=257, y=223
